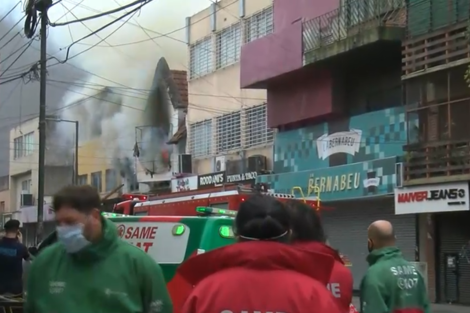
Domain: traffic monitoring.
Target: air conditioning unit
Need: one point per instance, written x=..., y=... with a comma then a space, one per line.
x=399, y=175
x=219, y=163
x=185, y=165
x=257, y=163
x=26, y=199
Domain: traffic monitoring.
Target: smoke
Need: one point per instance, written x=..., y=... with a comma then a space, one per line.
x=111, y=114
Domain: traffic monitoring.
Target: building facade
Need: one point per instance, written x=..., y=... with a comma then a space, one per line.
x=5, y=212
x=437, y=169
x=331, y=70
x=23, y=170
x=227, y=125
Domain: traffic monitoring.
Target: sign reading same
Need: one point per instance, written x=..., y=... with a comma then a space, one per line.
x=142, y=236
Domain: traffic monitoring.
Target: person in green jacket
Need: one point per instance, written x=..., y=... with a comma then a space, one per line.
x=391, y=284
x=90, y=269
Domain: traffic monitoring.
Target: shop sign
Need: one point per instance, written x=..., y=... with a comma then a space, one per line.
x=184, y=184
x=350, y=181
x=212, y=179
x=432, y=199
x=347, y=142
x=243, y=177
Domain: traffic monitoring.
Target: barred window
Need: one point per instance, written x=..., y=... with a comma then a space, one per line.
x=200, y=58
x=228, y=132
x=228, y=45
x=96, y=181
x=110, y=179
x=259, y=24
x=256, y=126
x=200, y=135
x=82, y=179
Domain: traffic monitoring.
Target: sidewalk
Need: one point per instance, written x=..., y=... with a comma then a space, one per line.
x=436, y=308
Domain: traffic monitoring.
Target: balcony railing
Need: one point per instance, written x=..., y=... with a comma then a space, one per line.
x=442, y=141
x=353, y=18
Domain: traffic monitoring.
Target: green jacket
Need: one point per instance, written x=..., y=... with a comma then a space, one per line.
x=392, y=285
x=106, y=277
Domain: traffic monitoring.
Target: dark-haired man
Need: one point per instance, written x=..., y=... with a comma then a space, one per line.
x=391, y=283
x=12, y=254
x=308, y=234
x=91, y=269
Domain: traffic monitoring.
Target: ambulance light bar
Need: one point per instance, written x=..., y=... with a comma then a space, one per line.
x=108, y=215
x=215, y=211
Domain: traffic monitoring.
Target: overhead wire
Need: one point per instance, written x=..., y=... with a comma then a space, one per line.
x=9, y=12
x=17, y=58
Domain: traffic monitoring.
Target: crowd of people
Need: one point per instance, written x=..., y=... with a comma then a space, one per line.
x=281, y=263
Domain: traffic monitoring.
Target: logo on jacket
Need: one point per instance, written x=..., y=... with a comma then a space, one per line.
x=56, y=287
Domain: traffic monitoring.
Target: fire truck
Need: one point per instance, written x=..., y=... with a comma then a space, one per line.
x=183, y=203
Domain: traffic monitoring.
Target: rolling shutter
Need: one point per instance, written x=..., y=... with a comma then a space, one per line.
x=346, y=228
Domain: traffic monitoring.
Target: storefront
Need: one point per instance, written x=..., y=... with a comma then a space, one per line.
x=447, y=208
x=358, y=194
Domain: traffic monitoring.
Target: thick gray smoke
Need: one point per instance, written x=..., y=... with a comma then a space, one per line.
x=111, y=97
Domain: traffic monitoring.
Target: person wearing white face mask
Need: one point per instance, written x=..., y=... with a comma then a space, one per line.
x=90, y=269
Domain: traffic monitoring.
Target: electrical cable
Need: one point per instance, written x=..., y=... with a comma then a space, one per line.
x=67, y=56
x=17, y=58
x=101, y=14
x=12, y=28
x=10, y=40
x=9, y=12
x=31, y=23
x=14, y=52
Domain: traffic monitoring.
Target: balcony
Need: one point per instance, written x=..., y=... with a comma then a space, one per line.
x=436, y=37
x=440, y=143
x=358, y=24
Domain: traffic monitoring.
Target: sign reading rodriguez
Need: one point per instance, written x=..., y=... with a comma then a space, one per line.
x=432, y=199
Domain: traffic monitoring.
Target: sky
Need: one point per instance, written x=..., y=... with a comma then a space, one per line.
x=122, y=55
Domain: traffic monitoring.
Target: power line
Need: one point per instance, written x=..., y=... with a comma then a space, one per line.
x=102, y=14
x=17, y=58
x=9, y=12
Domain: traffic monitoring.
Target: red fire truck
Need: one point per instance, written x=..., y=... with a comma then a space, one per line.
x=184, y=203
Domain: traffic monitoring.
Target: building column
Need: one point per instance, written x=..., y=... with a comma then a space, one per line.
x=427, y=251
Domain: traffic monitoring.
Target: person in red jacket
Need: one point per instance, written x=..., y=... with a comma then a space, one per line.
x=308, y=234
x=261, y=272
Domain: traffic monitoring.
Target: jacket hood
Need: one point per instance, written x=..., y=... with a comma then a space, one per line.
x=259, y=255
x=100, y=249
x=383, y=254
x=319, y=247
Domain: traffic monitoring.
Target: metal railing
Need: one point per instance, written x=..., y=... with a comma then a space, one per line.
x=351, y=19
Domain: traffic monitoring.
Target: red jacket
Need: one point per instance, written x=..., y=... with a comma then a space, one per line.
x=259, y=276
x=341, y=281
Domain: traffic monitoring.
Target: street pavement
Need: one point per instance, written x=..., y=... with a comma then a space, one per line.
x=436, y=308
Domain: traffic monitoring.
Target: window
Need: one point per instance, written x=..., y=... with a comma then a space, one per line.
x=2, y=207
x=228, y=132
x=228, y=45
x=200, y=58
x=18, y=147
x=82, y=179
x=26, y=186
x=256, y=127
x=96, y=180
x=28, y=141
x=111, y=181
x=259, y=25
x=201, y=138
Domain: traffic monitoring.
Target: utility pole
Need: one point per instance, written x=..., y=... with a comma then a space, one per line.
x=42, y=6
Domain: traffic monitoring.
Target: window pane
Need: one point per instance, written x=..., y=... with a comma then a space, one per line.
x=111, y=180
x=201, y=138
x=228, y=45
x=96, y=180
x=228, y=132
x=259, y=25
x=200, y=62
x=257, y=131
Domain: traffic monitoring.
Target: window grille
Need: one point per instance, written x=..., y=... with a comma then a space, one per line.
x=110, y=179
x=200, y=134
x=82, y=179
x=228, y=132
x=256, y=126
x=200, y=58
x=96, y=181
x=259, y=24
x=228, y=45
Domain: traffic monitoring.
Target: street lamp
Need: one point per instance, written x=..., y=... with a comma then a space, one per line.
x=75, y=176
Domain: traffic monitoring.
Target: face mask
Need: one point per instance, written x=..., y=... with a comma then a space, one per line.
x=72, y=237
